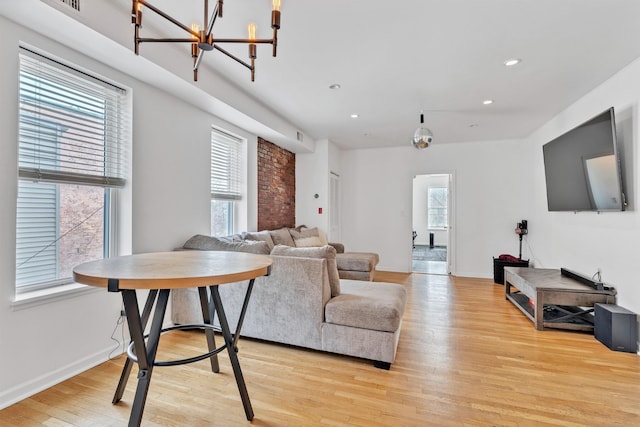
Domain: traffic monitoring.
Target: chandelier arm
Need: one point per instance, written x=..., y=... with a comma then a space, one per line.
x=248, y=41
x=151, y=40
x=212, y=20
x=275, y=42
x=230, y=55
x=167, y=17
x=206, y=13
x=196, y=63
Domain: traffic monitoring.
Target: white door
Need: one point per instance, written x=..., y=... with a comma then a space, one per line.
x=334, y=207
x=451, y=228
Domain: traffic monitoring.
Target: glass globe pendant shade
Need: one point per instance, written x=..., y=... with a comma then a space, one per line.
x=422, y=138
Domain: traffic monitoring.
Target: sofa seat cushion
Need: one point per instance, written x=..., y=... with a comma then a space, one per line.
x=369, y=305
x=367, y=276
x=357, y=261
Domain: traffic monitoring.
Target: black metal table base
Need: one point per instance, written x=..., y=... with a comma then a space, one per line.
x=143, y=347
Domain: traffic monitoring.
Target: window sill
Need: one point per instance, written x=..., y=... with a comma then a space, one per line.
x=44, y=296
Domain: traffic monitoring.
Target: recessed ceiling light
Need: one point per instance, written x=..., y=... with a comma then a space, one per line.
x=512, y=61
x=355, y=116
x=334, y=86
x=473, y=125
x=487, y=101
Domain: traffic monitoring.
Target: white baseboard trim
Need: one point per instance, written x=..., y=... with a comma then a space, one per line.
x=392, y=269
x=474, y=275
x=457, y=274
x=36, y=385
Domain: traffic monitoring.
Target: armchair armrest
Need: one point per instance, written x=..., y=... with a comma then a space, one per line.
x=338, y=246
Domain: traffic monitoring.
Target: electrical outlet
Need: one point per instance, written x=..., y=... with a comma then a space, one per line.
x=122, y=313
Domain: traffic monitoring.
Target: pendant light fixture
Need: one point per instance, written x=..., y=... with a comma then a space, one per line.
x=423, y=137
x=201, y=38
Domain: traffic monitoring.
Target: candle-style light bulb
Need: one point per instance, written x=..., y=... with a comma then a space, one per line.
x=275, y=19
x=252, y=49
x=136, y=13
x=195, y=50
x=252, y=37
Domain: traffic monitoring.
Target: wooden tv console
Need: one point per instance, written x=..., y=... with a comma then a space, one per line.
x=551, y=300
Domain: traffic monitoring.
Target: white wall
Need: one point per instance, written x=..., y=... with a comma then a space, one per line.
x=312, y=177
x=490, y=189
x=39, y=344
x=586, y=241
x=168, y=202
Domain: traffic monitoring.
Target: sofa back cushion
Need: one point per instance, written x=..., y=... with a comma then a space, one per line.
x=282, y=237
x=307, y=237
x=210, y=243
x=328, y=252
x=264, y=236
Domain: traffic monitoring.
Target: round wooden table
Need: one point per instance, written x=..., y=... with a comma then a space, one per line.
x=160, y=273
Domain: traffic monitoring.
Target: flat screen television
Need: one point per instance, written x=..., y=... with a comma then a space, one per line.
x=582, y=168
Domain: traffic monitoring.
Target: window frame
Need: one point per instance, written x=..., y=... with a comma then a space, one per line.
x=115, y=120
x=226, y=172
x=443, y=211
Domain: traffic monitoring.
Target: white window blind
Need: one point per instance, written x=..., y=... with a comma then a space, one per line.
x=37, y=233
x=226, y=163
x=70, y=125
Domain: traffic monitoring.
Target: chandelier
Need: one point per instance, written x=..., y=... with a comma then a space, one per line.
x=201, y=38
x=423, y=137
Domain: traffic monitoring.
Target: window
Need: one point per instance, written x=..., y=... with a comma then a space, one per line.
x=226, y=192
x=437, y=207
x=70, y=164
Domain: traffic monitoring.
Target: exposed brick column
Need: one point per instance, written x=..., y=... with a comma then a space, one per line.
x=276, y=186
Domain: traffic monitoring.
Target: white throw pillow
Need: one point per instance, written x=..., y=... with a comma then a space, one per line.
x=306, y=237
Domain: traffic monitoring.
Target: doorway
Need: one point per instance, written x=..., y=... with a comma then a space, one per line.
x=432, y=225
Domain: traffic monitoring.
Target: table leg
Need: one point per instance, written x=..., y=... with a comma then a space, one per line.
x=539, y=310
x=146, y=354
x=128, y=364
x=232, y=350
x=207, y=315
x=243, y=311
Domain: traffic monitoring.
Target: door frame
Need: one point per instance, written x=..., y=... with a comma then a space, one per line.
x=451, y=213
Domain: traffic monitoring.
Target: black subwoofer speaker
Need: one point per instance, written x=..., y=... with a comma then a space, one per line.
x=616, y=327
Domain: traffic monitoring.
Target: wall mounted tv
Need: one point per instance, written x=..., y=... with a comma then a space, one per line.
x=582, y=168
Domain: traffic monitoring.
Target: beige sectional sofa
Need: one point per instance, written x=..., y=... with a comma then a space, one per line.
x=304, y=302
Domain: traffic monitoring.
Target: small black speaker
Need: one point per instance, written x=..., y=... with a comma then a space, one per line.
x=616, y=327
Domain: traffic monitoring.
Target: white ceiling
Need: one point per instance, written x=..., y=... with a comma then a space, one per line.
x=394, y=59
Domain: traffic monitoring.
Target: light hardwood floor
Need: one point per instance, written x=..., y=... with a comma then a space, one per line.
x=466, y=357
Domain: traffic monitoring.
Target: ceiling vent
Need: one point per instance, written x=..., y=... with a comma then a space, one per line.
x=74, y=4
